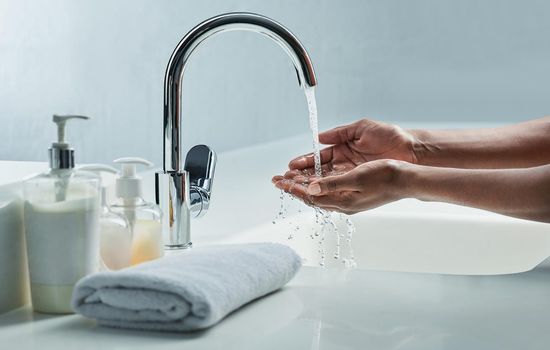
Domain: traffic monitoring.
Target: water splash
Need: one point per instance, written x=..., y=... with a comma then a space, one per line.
x=283, y=209
x=349, y=262
x=323, y=219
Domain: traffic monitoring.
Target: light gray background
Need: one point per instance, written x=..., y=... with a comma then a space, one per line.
x=402, y=61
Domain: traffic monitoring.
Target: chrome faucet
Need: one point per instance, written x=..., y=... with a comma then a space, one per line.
x=184, y=192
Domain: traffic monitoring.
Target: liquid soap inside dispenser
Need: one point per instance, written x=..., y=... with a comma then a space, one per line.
x=61, y=215
x=115, y=238
x=144, y=218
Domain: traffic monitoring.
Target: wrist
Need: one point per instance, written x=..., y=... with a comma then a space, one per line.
x=405, y=179
x=422, y=146
x=430, y=183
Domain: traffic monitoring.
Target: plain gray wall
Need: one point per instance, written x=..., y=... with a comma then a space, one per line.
x=403, y=61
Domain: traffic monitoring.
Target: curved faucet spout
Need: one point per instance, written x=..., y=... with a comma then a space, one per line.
x=183, y=191
x=174, y=72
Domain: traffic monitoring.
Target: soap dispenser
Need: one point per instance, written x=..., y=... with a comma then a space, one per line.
x=143, y=217
x=61, y=215
x=115, y=238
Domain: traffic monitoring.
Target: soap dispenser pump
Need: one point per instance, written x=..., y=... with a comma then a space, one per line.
x=143, y=217
x=61, y=154
x=115, y=238
x=61, y=215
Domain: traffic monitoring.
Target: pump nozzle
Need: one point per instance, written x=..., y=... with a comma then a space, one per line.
x=128, y=184
x=61, y=120
x=98, y=169
x=61, y=155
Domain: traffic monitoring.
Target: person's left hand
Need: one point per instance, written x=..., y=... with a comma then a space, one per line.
x=366, y=186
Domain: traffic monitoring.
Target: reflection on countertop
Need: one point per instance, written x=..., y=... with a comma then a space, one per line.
x=338, y=309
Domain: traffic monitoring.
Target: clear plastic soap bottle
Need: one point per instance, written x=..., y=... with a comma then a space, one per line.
x=115, y=238
x=61, y=215
x=143, y=217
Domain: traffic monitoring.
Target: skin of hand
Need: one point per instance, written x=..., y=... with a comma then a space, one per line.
x=519, y=145
x=500, y=169
x=360, y=153
x=366, y=186
x=522, y=193
x=357, y=143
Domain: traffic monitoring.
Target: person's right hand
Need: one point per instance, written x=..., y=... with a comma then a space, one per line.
x=357, y=143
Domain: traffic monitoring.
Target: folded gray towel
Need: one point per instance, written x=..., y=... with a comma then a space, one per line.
x=191, y=290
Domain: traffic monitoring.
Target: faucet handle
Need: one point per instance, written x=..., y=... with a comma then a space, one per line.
x=200, y=164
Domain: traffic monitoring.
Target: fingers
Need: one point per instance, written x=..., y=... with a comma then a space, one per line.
x=336, y=201
x=300, y=191
x=294, y=188
x=336, y=136
x=308, y=175
x=298, y=177
x=335, y=183
x=340, y=134
x=308, y=160
x=343, y=134
x=302, y=162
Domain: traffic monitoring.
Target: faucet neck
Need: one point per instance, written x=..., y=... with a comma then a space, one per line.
x=185, y=190
x=176, y=66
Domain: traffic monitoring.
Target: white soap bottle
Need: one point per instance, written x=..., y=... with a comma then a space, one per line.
x=61, y=215
x=143, y=217
x=115, y=238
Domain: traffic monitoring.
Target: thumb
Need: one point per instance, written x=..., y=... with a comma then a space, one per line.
x=344, y=182
x=343, y=134
x=336, y=136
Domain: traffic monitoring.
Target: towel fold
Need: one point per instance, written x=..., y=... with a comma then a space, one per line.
x=191, y=290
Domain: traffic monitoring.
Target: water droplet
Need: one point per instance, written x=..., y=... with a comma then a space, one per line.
x=324, y=221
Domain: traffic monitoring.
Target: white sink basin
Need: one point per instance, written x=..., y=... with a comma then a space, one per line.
x=418, y=242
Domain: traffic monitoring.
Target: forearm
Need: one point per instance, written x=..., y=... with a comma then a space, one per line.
x=516, y=146
x=522, y=193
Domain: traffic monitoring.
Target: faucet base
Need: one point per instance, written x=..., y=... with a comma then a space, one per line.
x=178, y=246
x=172, y=196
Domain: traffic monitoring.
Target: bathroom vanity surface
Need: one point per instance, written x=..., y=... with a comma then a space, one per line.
x=334, y=308
x=337, y=309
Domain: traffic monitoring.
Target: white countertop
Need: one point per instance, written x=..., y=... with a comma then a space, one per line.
x=335, y=309
x=321, y=308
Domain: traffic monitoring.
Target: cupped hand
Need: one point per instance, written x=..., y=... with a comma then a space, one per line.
x=357, y=143
x=366, y=186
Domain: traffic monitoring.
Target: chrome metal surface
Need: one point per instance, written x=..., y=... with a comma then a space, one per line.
x=60, y=154
x=61, y=158
x=200, y=164
x=178, y=206
x=172, y=195
x=173, y=79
